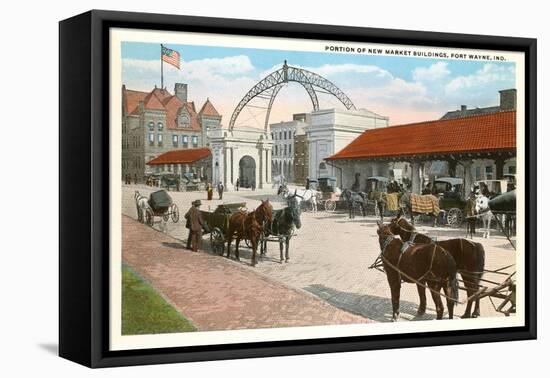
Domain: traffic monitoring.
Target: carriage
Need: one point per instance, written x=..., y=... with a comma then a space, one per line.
x=330, y=195
x=170, y=180
x=376, y=187
x=160, y=204
x=217, y=221
x=451, y=201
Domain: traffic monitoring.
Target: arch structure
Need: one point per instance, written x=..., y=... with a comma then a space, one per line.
x=268, y=88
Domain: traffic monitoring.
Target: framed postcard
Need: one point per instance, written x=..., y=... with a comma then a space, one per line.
x=234, y=188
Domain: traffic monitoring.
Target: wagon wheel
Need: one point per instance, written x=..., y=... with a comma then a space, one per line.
x=330, y=205
x=217, y=240
x=149, y=217
x=175, y=212
x=455, y=217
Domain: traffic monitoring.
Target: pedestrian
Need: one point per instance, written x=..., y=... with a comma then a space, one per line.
x=220, y=190
x=135, y=178
x=237, y=183
x=209, y=191
x=253, y=185
x=471, y=217
x=195, y=224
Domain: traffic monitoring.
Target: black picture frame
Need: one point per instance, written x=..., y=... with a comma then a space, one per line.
x=84, y=194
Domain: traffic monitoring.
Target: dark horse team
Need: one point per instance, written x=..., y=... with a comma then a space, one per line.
x=412, y=257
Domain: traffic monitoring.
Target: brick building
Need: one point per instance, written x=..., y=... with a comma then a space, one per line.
x=157, y=122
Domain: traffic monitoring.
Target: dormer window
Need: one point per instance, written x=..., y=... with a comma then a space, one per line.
x=151, y=126
x=183, y=118
x=160, y=126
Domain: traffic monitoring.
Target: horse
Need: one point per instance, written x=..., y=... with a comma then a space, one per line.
x=142, y=204
x=468, y=255
x=482, y=208
x=405, y=202
x=282, y=226
x=426, y=263
x=309, y=196
x=355, y=200
x=249, y=226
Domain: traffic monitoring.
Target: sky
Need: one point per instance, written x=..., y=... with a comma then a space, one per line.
x=404, y=89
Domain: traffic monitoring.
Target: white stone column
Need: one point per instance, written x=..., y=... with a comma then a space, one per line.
x=269, y=163
x=415, y=177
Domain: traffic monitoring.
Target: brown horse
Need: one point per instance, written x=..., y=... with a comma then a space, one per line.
x=469, y=258
x=249, y=226
x=426, y=263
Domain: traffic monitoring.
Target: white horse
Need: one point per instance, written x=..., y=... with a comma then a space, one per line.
x=307, y=195
x=483, y=211
x=142, y=204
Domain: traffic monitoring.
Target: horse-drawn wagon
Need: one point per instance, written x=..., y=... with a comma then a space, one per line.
x=217, y=222
x=159, y=204
x=329, y=193
x=451, y=200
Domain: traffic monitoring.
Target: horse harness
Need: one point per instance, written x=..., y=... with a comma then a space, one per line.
x=404, y=248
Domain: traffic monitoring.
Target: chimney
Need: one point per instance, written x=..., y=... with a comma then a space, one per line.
x=463, y=108
x=180, y=90
x=508, y=99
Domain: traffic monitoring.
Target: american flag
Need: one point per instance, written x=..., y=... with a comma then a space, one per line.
x=171, y=57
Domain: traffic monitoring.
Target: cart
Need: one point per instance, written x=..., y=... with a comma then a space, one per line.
x=451, y=200
x=217, y=222
x=161, y=205
x=330, y=195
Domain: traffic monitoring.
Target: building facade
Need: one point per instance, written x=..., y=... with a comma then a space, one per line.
x=301, y=157
x=283, y=136
x=157, y=122
x=330, y=130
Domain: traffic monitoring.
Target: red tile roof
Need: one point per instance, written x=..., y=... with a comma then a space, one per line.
x=187, y=156
x=208, y=109
x=485, y=133
x=161, y=99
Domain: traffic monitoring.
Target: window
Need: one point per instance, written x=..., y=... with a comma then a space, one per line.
x=512, y=169
x=276, y=150
x=478, y=173
x=290, y=149
x=195, y=140
x=272, y=137
x=185, y=141
x=284, y=135
x=489, y=172
x=151, y=126
x=160, y=126
x=175, y=140
x=280, y=135
x=159, y=139
x=285, y=151
x=151, y=139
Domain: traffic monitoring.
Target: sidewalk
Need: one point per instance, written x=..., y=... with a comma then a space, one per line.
x=215, y=293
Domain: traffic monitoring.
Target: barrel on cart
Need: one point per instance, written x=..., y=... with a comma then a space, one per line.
x=161, y=205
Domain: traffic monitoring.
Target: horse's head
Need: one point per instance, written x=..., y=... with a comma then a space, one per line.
x=400, y=223
x=482, y=203
x=295, y=211
x=383, y=230
x=136, y=194
x=264, y=212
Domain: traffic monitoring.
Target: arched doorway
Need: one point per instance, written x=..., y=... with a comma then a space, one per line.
x=247, y=171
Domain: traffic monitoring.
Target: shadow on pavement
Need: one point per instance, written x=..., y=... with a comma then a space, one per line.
x=368, y=306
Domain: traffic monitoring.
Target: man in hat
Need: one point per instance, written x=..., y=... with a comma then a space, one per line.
x=195, y=225
x=220, y=190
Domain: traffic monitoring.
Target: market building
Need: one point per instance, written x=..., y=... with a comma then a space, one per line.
x=463, y=144
x=156, y=122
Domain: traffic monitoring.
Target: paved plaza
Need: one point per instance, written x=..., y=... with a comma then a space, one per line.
x=329, y=256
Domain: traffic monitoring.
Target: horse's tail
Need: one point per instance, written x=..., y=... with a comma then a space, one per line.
x=480, y=258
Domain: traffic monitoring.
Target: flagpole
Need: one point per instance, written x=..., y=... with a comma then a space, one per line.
x=161, y=69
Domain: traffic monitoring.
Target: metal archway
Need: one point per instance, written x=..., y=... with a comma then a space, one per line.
x=269, y=87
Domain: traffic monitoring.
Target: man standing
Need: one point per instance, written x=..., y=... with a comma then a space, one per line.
x=195, y=223
x=471, y=218
x=220, y=189
x=237, y=183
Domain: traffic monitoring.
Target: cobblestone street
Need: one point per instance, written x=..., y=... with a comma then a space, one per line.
x=329, y=256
